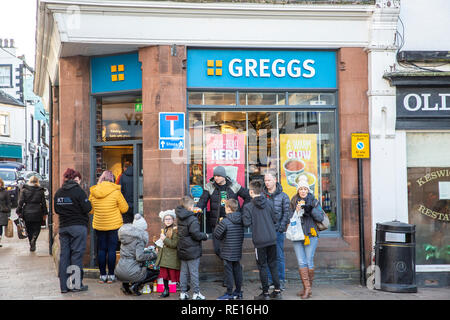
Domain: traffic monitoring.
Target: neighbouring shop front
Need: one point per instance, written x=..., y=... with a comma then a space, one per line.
x=423, y=112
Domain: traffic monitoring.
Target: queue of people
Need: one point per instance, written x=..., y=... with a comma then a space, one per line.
x=175, y=255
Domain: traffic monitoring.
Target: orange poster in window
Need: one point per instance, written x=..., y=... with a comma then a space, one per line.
x=298, y=157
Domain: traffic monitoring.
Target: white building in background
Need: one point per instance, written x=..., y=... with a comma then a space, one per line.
x=409, y=100
x=24, y=129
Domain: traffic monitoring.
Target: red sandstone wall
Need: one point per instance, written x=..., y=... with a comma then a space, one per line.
x=163, y=89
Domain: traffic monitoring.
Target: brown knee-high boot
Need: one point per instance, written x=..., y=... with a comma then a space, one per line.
x=311, y=278
x=301, y=292
x=306, y=284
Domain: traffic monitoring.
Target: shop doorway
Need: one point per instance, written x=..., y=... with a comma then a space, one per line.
x=117, y=158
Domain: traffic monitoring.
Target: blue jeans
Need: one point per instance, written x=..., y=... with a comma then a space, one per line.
x=305, y=254
x=281, y=236
x=106, y=249
x=72, y=241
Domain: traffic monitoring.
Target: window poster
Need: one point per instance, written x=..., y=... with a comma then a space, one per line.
x=228, y=151
x=298, y=157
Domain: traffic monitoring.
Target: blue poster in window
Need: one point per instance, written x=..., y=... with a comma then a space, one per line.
x=251, y=68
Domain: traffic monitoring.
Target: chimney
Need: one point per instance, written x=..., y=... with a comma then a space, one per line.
x=5, y=43
x=11, y=43
x=1, y=43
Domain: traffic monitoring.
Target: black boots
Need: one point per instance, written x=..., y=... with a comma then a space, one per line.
x=33, y=244
x=166, y=292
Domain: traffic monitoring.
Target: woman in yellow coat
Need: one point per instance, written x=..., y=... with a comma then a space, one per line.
x=108, y=205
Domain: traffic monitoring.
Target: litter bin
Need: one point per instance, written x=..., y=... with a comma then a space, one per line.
x=395, y=256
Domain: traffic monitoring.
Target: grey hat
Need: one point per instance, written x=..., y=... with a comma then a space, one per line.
x=220, y=171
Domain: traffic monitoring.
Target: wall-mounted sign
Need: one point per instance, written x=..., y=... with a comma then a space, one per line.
x=116, y=73
x=240, y=68
x=171, y=131
x=423, y=108
x=360, y=145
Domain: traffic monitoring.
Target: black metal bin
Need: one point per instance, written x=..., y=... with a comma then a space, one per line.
x=395, y=256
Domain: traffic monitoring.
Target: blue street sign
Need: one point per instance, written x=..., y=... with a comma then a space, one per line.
x=171, y=144
x=171, y=130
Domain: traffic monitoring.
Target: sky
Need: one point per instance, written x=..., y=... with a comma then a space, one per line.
x=18, y=22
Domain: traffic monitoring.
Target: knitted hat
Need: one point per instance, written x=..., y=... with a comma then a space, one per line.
x=139, y=222
x=171, y=213
x=303, y=182
x=220, y=171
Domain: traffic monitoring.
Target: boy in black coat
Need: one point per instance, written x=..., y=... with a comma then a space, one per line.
x=231, y=231
x=189, y=248
x=260, y=215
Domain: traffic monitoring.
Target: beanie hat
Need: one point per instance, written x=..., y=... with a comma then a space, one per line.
x=139, y=222
x=171, y=213
x=220, y=171
x=303, y=182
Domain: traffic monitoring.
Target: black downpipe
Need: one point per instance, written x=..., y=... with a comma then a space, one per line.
x=50, y=172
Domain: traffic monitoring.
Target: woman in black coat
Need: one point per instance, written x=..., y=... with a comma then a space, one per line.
x=32, y=209
x=5, y=207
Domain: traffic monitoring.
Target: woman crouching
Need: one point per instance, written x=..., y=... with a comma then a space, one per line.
x=131, y=269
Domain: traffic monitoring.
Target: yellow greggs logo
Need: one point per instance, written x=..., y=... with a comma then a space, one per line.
x=214, y=67
x=117, y=72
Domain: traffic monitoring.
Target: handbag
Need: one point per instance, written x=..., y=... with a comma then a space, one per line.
x=21, y=229
x=9, y=232
x=324, y=224
x=294, y=231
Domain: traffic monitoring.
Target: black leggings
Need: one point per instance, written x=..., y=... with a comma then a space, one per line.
x=33, y=229
x=151, y=276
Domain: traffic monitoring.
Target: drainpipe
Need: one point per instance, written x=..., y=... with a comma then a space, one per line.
x=50, y=171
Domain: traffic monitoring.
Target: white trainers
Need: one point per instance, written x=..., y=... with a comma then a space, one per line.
x=198, y=296
x=111, y=279
x=184, y=296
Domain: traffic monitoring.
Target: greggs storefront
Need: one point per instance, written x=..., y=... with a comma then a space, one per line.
x=253, y=110
x=259, y=86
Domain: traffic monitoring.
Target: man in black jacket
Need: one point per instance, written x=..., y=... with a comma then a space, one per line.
x=219, y=189
x=73, y=207
x=281, y=204
x=127, y=189
x=260, y=215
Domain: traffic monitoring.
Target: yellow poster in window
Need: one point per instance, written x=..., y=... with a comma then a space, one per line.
x=298, y=157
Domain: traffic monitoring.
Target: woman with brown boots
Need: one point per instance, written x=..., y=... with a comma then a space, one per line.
x=304, y=204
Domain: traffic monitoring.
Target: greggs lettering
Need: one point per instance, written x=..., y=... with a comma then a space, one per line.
x=265, y=68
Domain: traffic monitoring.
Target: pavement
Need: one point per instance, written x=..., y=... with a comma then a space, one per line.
x=26, y=275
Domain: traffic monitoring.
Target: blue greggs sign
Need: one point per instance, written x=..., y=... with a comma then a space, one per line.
x=250, y=68
x=116, y=73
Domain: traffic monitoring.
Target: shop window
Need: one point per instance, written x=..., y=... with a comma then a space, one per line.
x=311, y=99
x=266, y=99
x=428, y=170
x=247, y=144
x=119, y=118
x=212, y=98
